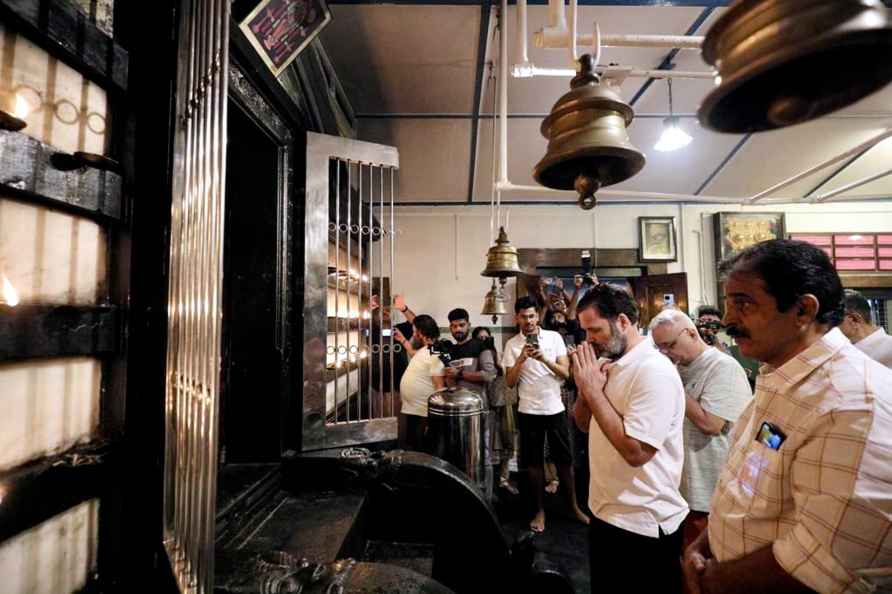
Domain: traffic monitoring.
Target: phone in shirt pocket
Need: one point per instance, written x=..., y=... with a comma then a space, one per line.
x=770, y=436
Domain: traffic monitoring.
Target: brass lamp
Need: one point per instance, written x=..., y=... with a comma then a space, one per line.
x=588, y=144
x=784, y=62
x=501, y=259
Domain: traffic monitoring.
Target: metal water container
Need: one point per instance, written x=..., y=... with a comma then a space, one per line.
x=455, y=419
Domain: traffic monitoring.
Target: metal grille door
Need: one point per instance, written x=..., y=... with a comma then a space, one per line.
x=194, y=298
x=350, y=394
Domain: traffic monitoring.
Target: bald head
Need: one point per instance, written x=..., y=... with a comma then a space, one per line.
x=676, y=336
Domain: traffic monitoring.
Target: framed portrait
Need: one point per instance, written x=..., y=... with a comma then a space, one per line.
x=656, y=239
x=280, y=29
x=735, y=231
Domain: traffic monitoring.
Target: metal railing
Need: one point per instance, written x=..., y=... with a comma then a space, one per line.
x=192, y=398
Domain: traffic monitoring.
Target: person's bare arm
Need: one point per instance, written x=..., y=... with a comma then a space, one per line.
x=439, y=382
x=582, y=415
x=404, y=342
x=706, y=422
x=755, y=572
x=559, y=367
x=400, y=304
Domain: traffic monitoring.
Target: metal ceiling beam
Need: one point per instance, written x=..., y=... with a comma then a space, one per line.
x=482, y=43
x=724, y=162
x=827, y=179
x=667, y=64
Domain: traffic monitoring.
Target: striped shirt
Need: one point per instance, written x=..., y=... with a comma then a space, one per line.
x=822, y=498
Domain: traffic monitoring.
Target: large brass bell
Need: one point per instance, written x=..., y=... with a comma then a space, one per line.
x=783, y=62
x=588, y=144
x=494, y=302
x=501, y=259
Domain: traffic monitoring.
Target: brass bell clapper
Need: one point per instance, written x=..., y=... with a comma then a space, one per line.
x=588, y=141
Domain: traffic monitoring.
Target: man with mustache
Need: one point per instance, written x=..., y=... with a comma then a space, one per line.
x=804, y=502
x=632, y=406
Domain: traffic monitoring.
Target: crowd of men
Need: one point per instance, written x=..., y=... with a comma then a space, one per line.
x=697, y=484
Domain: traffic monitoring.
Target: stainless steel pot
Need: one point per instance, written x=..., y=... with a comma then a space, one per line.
x=455, y=419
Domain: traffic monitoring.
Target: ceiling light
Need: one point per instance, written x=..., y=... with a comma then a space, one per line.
x=673, y=137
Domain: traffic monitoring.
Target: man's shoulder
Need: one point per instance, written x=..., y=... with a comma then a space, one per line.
x=517, y=338
x=550, y=335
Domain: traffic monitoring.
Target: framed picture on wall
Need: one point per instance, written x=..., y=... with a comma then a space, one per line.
x=735, y=231
x=656, y=239
x=280, y=29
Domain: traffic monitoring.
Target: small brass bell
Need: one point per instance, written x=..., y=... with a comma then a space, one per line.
x=501, y=259
x=494, y=303
x=588, y=144
x=784, y=62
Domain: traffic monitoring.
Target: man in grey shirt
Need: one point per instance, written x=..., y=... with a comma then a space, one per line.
x=716, y=392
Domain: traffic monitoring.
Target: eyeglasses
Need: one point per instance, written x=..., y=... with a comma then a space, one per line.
x=668, y=346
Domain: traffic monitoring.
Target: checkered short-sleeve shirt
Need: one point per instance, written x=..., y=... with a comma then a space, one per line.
x=823, y=498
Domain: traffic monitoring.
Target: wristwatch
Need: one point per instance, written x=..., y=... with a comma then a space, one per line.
x=405, y=309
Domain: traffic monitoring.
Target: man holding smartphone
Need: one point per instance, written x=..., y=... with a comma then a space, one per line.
x=536, y=362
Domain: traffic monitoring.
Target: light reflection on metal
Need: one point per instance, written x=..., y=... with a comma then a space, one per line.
x=784, y=62
x=195, y=294
x=588, y=142
x=10, y=296
x=494, y=301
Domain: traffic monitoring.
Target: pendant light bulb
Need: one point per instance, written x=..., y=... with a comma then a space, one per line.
x=673, y=137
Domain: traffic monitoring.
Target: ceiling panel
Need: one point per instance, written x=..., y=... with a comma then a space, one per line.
x=879, y=102
x=770, y=157
x=434, y=156
x=405, y=59
x=537, y=95
x=687, y=93
x=876, y=160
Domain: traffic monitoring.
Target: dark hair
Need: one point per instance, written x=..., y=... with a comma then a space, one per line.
x=708, y=310
x=475, y=333
x=610, y=301
x=427, y=326
x=791, y=269
x=857, y=303
x=459, y=314
x=523, y=303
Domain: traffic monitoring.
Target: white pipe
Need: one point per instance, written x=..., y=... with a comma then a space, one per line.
x=551, y=38
x=574, y=57
x=631, y=196
x=522, y=32
x=557, y=17
x=503, y=97
x=824, y=164
x=855, y=184
x=532, y=70
x=596, y=44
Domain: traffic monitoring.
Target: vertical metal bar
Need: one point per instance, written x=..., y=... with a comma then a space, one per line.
x=358, y=399
x=337, y=293
x=392, y=263
x=215, y=296
x=349, y=264
x=371, y=275
x=382, y=238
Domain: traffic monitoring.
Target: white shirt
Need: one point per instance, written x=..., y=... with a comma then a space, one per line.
x=644, y=388
x=822, y=497
x=718, y=384
x=417, y=384
x=539, y=389
x=878, y=346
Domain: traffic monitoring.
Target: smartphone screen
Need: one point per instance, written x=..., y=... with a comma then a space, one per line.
x=569, y=340
x=533, y=339
x=385, y=332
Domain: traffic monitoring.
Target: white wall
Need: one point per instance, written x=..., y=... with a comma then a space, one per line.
x=441, y=250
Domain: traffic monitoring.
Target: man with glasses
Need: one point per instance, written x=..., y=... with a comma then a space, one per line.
x=716, y=392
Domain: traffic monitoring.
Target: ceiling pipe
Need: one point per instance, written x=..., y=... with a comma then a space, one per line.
x=503, y=97
x=557, y=35
x=822, y=165
x=550, y=39
x=855, y=184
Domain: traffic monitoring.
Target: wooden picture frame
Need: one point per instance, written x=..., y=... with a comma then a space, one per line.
x=657, y=239
x=736, y=231
x=280, y=29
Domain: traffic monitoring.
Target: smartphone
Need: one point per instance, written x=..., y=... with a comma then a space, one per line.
x=770, y=436
x=569, y=340
x=386, y=332
x=533, y=339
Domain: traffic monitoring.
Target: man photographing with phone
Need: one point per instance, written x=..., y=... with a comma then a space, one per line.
x=536, y=362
